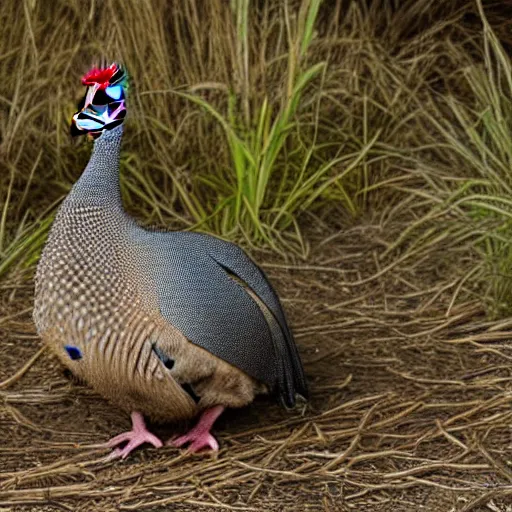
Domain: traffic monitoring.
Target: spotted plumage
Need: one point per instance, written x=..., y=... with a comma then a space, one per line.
x=167, y=324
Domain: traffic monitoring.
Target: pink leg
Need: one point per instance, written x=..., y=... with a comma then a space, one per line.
x=137, y=436
x=200, y=437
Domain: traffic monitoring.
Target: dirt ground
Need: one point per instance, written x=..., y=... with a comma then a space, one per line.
x=409, y=410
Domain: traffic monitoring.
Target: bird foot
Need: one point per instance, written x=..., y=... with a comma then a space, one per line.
x=199, y=437
x=197, y=440
x=137, y=436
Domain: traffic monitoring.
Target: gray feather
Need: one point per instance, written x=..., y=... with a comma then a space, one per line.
x=235, y=260
x=198, y=296
x=208, y=289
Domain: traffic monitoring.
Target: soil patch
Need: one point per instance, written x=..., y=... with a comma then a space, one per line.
x=409, y=410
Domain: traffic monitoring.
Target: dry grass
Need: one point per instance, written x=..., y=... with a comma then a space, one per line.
x=410, y=408
x=361, y=135
x=393, y=136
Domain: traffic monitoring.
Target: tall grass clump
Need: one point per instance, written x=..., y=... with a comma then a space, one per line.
x=275, y=174
x=247, y=119
x=479, y=136
x=244, y=116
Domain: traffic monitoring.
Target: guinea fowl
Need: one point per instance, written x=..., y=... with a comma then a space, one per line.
x=167, y=325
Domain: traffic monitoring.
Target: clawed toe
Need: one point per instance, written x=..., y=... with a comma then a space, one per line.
x=136, y=437
x=121, y=438
x=207, y=441
x=199, y=437
x=197, y=442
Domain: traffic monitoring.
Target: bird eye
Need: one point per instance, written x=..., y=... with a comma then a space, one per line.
x=101, y=98
x=114, y=91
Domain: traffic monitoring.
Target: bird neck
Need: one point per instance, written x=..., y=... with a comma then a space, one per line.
x=99, y=184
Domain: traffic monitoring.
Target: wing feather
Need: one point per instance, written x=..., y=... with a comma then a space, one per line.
x=239, y=320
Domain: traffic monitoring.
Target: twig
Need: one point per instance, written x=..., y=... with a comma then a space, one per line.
x=24, y=369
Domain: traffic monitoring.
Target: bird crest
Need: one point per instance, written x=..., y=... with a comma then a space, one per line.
x=103, y=106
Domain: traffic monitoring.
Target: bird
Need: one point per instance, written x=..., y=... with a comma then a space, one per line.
x=167, y=325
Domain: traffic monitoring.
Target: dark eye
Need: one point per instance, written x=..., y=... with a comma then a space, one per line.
x=168, y=361
x=73, y=352
x=101, y=98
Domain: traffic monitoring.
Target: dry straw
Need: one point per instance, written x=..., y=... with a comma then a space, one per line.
x=373, y=139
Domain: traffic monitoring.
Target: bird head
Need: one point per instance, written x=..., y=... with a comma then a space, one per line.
x=103, y=105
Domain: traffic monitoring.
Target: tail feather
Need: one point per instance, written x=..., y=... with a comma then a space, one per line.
x=290, y=374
